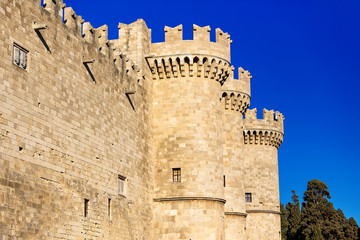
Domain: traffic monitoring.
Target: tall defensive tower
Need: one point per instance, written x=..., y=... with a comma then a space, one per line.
x=262, y=138
x=187, y=78
x=250, y=147
x=235, y=101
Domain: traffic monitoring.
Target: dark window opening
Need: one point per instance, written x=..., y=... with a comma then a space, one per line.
x=248, y=197
x=86, y=207
x=176, y=174
x=224, y=181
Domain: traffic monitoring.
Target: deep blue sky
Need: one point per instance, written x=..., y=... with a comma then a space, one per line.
x=304, y=57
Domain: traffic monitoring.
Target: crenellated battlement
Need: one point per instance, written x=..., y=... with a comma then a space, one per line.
x=55, y=6
x=199, y=34
x=266, y=131
x=238, y=85
x=223, y=38
x=201, y=44
x=173, y=34
x=73, y=21
x=102, y=47
x=236, y=92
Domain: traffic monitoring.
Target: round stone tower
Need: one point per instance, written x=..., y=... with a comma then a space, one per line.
x=262, y=138
x=235, y=101
x=187, y=124
x=252, y=209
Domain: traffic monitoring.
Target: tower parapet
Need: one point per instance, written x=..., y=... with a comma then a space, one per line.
x=267, y=131
x=236, y=92
x=200, y=45
x=201, y=58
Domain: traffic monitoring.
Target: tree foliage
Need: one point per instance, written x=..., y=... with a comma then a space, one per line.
x=284, y=222
x=294, y=216
x=317, y=219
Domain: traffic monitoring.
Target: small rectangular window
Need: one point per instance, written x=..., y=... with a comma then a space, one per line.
x=248, y=197
x=121, y=184
x=86, y=207
x=20, y=56
x=224, y=181
x=176, y=174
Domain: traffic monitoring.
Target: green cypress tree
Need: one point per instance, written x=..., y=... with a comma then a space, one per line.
x=318, y=212
x=351, y=229
x=343, y=222
x=316, y=233
x=294, y=217
x=284, y=222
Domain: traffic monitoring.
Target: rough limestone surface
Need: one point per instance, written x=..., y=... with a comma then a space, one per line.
x=128, y=139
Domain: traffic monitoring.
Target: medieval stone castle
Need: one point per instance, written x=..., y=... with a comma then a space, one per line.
x=127, y=139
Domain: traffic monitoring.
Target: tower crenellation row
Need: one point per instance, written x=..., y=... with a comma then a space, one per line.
x=236, y=92
x=173, y=34
x=266, y=131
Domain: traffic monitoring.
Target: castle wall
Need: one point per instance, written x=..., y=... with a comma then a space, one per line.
x=233, y=162
x=235, y=227
x=67, y=135
x=263, y=226
x=261, y=177
x=92, y=130
x=189, y=219
x=261, y=180
x=235, y=212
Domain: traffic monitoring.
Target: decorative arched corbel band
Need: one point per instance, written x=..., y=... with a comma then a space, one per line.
x=189, y=65
x=263, y=137
x=235, y=100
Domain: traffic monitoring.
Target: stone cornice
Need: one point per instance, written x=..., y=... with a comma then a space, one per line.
x=167, y=199
x=236, y=214
x=263, y=211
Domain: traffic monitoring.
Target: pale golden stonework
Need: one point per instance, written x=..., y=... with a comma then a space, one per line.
x=128, y=139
